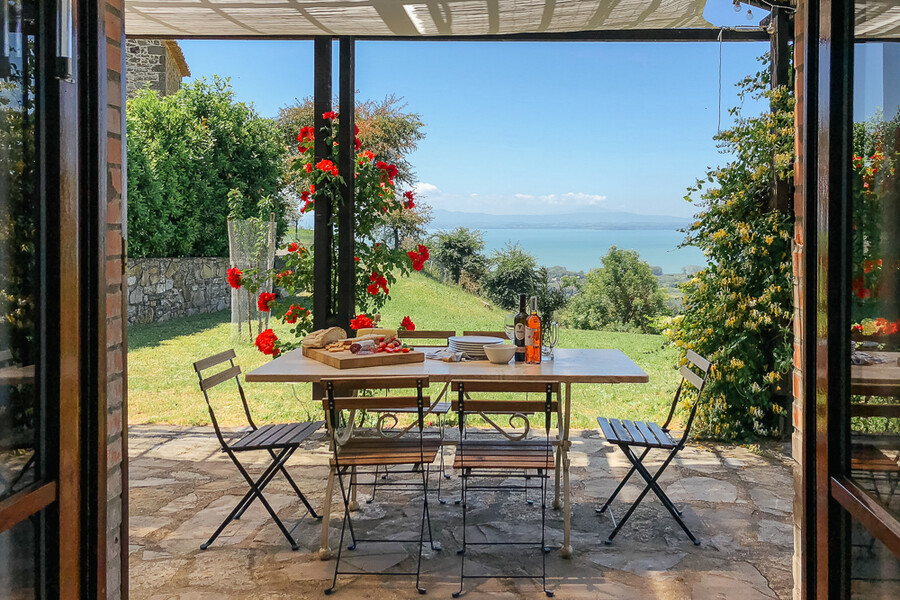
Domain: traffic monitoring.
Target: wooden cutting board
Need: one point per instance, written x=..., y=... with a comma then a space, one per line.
x=346, y=360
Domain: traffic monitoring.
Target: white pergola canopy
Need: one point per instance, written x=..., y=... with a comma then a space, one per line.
x=403, y=18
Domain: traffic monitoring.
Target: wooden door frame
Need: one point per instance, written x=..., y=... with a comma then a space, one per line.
x=831, y=500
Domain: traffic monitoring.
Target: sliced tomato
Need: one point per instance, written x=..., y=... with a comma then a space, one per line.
x=404, y=350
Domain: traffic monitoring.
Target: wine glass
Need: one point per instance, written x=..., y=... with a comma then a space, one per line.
x=551, y=339
x=509, y=322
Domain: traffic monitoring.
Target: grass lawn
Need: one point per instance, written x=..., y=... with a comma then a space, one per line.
x=162, y=386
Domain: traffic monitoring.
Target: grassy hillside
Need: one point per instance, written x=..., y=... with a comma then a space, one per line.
x=163, y=388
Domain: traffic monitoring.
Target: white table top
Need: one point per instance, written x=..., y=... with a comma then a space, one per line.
x=571, y=365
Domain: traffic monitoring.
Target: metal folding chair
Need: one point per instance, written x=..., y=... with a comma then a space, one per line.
x=650, y=436
x=353, y=454
x=280, y=441
x=478, y=461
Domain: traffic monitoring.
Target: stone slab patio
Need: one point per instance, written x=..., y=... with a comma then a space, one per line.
x=738, y=503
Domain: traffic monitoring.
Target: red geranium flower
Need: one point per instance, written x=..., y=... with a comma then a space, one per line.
x=330, y=115
x=361, y=322
x=357, y=144
x=372, y=288
x=265, y=298
x=308, y=167
x=407, y=324
x=418, y=258
x=234, y=277
x=293, y=247
x=409, y=202
x=266, y=343
x=294, y=313
x=326, y=165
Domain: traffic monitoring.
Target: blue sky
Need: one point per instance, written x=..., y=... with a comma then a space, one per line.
x=530, y=128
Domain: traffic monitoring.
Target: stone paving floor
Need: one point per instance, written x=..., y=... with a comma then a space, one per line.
x=738, y=503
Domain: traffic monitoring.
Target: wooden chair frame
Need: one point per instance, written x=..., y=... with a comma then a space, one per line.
x=349, y=455
x=496, y=458
x=649, y=436
x=280, y=441
x=425, y=334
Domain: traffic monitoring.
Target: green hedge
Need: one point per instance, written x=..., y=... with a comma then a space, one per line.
x=186, y=151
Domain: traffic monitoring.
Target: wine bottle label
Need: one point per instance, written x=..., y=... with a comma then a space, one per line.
x=529, y=336
x=520, y=331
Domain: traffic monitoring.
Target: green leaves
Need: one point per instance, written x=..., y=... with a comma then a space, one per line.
x=738, y=310
x=186, y=152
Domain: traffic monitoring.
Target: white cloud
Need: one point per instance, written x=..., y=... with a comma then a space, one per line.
x=426, y=189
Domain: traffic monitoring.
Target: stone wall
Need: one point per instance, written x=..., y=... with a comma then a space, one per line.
x=157, y=63
x=160, y=289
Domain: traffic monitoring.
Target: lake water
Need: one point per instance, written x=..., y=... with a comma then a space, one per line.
x=581, y=249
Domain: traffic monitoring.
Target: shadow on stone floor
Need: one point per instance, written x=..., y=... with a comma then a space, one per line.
x=737, y=503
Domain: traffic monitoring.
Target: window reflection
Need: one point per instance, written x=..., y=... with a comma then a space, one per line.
x=17, y=561
x=875, y=275
x=874, y=570
x=18, y=247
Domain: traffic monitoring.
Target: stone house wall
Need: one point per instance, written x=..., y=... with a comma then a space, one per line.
x=157, y=63
x=160, y=289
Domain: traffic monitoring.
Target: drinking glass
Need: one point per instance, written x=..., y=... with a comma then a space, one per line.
x=551, y=339
x=509, y=322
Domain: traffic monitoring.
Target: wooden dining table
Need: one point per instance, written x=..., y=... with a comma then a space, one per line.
x=569, y=366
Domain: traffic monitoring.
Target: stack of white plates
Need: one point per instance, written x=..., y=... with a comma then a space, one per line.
x=472, y=345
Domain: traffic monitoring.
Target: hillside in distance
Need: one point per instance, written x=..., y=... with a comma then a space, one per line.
x=447, y=219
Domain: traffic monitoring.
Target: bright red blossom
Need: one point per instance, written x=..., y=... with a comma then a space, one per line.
x=293, y=247
x=418, y=258
x=407, y=324
x=329, y=115
x=234, y=277
x=266, y=343
x=361, y=321
x=295, y=312
x=265, y=298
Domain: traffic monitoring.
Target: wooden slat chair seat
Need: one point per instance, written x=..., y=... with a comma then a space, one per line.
x=280, y=441
x=371, y=452
x=481, y=460
x=417, y=452
x=648, y=436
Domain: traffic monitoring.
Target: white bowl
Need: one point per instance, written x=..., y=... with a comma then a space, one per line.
x=499, y=353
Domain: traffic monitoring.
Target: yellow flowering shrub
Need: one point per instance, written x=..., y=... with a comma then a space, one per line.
x=738, y=311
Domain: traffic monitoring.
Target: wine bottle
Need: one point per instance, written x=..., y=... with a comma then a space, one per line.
x=520, y=322
x=533, y=335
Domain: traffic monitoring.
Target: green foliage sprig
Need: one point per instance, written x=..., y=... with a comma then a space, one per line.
x=738, y=311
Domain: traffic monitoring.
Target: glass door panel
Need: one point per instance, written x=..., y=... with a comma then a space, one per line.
x=874, y=404
x=19, y=343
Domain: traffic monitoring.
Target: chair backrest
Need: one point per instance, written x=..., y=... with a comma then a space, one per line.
x=695, y=374
x=230, y=371
x=465, y=405
x=339, y=396
x=499, y=334
x=505, y=406
x=425, y=334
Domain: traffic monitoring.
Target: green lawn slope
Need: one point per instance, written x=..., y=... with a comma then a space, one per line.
x=162, y=386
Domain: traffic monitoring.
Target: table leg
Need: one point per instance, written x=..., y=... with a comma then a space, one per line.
x=566, y=550
x=354, y=505
x=324, y=551
x=559, y=436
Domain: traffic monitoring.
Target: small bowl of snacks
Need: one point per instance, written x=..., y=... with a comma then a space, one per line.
x=499, y=354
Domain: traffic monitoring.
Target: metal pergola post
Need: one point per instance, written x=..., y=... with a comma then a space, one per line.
x=782, y=33
x=346, y=287
x=334, y=289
